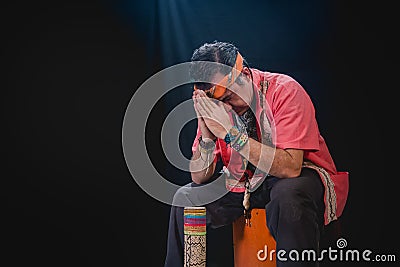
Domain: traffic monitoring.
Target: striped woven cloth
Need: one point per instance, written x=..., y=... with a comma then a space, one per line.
x=194, y=220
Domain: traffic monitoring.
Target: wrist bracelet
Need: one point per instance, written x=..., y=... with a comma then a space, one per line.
x=240, y=141
x=206, y=147
x=231, y=135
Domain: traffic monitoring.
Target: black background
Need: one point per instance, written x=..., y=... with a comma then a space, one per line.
x=70, y=69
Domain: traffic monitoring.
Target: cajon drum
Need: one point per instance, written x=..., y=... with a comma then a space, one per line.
x=253, y=244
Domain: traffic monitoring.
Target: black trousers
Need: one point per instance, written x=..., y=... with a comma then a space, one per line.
x=294, y=210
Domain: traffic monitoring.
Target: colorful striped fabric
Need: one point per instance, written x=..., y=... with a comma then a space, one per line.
x=194, y=237
x=194, y=220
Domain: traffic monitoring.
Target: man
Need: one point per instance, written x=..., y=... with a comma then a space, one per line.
x=261, y=126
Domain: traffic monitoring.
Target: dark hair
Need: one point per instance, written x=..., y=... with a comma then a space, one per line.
x=219, y=52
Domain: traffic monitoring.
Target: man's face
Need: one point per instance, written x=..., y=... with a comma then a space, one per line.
x=238, y=96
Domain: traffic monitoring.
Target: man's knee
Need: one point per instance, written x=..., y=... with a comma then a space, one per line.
x=191, y=195
x=182, y=196
x=292, y=198
x=290, y=189
x=307, y=186
x=288, y=204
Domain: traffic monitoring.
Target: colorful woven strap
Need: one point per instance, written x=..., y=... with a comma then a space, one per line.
x=194, y=220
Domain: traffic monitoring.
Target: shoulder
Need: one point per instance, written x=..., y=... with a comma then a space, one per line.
x=277, y=81
x=283, y=90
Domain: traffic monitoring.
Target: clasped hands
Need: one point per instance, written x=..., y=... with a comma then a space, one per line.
x=213, y=115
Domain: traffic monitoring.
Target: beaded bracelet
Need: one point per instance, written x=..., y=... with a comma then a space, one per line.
x=240, y=141
x=231, y=135
x=206, y=147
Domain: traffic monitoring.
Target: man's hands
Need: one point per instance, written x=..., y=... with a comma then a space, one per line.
x=213, y=118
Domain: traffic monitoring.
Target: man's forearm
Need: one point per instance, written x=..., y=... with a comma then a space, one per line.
x=275, y=161
x=202, y=167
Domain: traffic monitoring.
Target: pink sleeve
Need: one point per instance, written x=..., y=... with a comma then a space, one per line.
x=294, y=117
x=196, y=141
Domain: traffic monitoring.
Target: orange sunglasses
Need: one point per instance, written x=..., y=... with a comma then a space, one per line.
x=219, y=89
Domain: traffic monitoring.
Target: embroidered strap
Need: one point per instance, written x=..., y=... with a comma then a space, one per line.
x=194, y=219
x=266, y=138
x=330, y=195
x=265, y=125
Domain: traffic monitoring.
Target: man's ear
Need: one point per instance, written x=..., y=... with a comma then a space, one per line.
x=246, y=71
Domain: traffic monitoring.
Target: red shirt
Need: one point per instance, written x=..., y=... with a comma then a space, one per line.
x=292, y=116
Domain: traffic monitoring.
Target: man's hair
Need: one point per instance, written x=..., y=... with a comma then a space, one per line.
x=219, y=52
